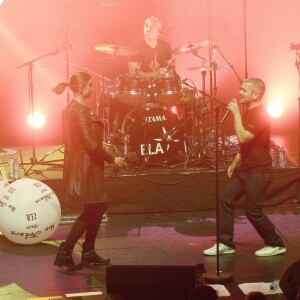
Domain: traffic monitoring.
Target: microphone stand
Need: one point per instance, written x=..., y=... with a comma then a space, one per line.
x=30, y=64
x=223, y=152
x=219, y=277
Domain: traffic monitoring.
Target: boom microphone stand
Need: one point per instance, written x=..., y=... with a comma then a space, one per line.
x=30, y=64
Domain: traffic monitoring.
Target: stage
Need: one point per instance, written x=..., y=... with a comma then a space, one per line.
x=158, y=216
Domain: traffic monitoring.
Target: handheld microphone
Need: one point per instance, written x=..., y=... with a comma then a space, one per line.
x=225, y=116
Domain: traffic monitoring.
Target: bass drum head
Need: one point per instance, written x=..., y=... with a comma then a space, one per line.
x=154, y=133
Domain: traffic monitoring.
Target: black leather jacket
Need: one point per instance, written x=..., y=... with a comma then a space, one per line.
x=84, y=155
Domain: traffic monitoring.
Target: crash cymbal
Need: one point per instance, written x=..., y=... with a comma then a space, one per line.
x=115, y=50
x=190, y=47
x=202, y=68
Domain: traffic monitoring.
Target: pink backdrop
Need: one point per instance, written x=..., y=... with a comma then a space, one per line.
x=32, y=28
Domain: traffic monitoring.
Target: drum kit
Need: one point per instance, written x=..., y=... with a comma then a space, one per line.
x=157, y=121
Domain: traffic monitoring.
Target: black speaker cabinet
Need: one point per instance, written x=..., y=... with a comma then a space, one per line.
x=290, y=281
x=140, y=282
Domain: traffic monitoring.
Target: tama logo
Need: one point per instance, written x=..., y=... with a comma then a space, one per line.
x=152, y=119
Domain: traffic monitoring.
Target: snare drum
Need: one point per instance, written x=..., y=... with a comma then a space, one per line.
x=168, y=88
x=132, y=89
x=154, y=133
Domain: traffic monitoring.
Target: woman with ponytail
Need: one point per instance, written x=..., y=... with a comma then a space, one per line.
x=83, y=173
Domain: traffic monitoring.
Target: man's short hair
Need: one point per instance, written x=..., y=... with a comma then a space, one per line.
x=257, y=85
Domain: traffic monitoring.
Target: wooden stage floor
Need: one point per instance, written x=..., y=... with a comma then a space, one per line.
x=172, y=235
x=160, y=239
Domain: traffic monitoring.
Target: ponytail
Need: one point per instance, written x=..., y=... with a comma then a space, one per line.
x=60, y=88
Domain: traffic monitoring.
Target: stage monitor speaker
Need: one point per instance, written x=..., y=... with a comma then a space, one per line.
x=140, y=282
x=290, y=281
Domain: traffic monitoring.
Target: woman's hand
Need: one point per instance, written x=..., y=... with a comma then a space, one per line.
x=119, y=161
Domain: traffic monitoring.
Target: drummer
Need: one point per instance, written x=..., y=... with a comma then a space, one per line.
x=154, y=55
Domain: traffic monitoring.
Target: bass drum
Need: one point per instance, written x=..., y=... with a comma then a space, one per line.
x=154, y=133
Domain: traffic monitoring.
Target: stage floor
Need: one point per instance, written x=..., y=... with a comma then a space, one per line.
x=169, y=239
x=143, y=229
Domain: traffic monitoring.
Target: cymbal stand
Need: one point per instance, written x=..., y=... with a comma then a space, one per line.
x=203, y=112
x=229, y=65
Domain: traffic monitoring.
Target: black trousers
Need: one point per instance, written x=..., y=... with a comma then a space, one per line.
x=89, y=221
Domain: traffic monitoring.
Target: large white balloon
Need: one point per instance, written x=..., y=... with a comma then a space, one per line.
x=3, y=184
x=29, y=211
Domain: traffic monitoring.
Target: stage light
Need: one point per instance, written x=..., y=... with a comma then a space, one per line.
x=275, y=109
x=37, y=121
x=1, y=1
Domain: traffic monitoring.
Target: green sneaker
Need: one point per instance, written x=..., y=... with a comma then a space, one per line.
x=270, y=251
x=223, y=249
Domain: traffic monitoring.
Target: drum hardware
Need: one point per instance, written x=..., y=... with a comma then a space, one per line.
x=115, y=50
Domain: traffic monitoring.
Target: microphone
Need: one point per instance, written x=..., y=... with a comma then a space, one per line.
x=184, y=81
x=225, y=116
x=294, y=46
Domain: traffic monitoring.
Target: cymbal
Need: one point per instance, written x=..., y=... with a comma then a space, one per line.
x=4, y=151
x=202, y=68
x=115, y=50
x=190, y=47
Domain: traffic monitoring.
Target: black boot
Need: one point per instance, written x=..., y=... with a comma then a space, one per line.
x=64, y=258
x=90, y=257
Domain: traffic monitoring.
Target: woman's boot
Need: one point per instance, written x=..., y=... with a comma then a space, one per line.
x=64, y=258
x=90, y=257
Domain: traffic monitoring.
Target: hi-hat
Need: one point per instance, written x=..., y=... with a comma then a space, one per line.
x=190, y=47
x=115, y=50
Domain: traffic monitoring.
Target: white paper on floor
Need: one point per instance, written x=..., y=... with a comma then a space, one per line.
x=220, y=289
x=263, y=287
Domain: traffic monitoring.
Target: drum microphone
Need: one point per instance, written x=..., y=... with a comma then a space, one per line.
x=225, y=116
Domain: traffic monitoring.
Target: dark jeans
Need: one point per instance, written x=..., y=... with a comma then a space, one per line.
x=254, y=187
x=89, y=222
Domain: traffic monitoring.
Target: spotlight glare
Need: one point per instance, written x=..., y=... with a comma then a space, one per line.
x=37, y=121
x=275, y=109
